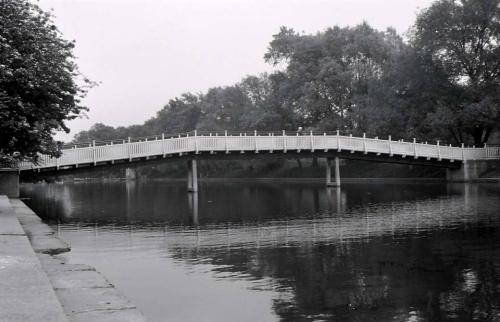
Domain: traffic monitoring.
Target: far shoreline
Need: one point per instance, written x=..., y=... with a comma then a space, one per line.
x=348, y=180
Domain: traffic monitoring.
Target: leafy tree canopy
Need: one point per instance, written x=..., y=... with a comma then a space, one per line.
x=460, y=40
x=38, y=87
x=329, y=75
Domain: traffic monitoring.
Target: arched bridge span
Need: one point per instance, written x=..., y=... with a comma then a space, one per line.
x=462, y=161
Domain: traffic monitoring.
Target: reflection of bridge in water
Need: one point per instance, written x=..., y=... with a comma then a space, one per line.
x=334, y=223
x=337, y=225
x=463, y=163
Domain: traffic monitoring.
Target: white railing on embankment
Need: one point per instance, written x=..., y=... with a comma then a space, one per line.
x=195, y=143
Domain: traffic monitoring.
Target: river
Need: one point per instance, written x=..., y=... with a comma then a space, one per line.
x=286, y=251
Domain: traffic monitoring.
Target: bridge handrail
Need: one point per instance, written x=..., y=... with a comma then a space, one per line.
x=89, y=142
x=204, y=141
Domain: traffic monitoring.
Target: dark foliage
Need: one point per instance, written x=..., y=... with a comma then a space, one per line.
x=38, y=87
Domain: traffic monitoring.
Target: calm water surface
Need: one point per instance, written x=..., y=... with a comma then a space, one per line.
x=287, y=252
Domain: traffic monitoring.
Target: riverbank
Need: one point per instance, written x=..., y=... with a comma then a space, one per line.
x=489, y=179
x=36, y=282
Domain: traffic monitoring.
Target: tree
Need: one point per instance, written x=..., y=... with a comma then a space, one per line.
x=181, y=114
x=329, y=75
x=98, y=132
x=39, y=89
x=460, y=39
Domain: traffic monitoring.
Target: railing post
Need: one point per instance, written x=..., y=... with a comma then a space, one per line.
x=350, y=143
x=255, y=141
x=284, y=141
x=128, y=149
x=163, y=144
x=273, y=143
x=324, y=142
x=112, y=161
x=312, y=141
x=338, y=141
x=438, y=151
x=415, y=156
x=364, y=143
x=297, y=146
x=463, y=152
x=241, y=143
x=196, y=142
x=76, y=162
x=93, y=152
x=225, y=142
x=390, y=147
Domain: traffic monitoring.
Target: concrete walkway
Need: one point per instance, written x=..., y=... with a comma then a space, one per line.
x=26, y=293
x=36, y=282
x=85, y=294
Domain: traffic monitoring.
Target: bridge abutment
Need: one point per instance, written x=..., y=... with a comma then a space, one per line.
x=9, y=183
x=336, y=164
x=470, y=170
x=192, y=176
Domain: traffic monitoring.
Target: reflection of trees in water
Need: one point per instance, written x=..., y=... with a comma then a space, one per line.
x=387, y=278
x=435, y=259
x=357, y=254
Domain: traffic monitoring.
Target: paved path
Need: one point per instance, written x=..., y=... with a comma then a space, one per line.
x=26, y=293
x=36, y=284
x=85, y=294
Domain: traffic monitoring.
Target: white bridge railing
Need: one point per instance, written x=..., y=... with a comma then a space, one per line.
x=128, y=150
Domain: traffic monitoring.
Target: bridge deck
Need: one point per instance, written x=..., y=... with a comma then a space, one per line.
x=94, y=154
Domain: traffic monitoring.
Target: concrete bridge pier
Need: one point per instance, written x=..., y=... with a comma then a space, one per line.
x=192, y=176
x=329, y=182
x=193, y=207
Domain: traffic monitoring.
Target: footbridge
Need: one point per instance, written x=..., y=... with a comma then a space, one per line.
x=462, y=162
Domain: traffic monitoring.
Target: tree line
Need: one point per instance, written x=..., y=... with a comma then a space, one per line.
x=440, y=83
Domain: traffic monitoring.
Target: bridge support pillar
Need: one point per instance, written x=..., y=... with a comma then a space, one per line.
x=192, y=176
x=130, y=174
x=193, y=207
x=470, y=170
x=329, y=182
x=9, y=183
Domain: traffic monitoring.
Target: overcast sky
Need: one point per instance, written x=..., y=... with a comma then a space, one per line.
x=145, y=52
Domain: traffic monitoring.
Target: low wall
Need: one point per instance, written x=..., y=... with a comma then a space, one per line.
x=9, y=183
